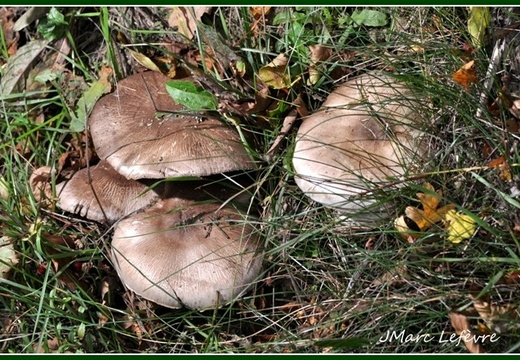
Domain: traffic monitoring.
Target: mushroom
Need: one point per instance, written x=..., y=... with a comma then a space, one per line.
x=101, y=194
x=143, y=133
x=366, y=135
x=186, y=253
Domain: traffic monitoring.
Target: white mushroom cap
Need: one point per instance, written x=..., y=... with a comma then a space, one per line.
x=129, y=131
x=101, y=194
x=182, y=253
x=365, y=134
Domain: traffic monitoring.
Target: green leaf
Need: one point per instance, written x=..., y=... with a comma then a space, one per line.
x=190, y=95
x=53, y=26
x=478, y=22
x=368, y=17
x=86, y=104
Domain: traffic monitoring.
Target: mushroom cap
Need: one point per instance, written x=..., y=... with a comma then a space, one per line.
x=104, y=195
x=134, y=130
x=182, y=253
x=365, y=134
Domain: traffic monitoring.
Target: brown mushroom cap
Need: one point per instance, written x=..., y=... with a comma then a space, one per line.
x=129, y=131
x=104, y=194
x=365, y=134
x=181, y=253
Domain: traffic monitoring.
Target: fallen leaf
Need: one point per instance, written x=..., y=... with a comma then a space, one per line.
x=466, y=75
x=10, y=34
x=8, y=256
x=185, y=19
x=259, y=12
x=462, y=328
x=460, y=226
x=30, y=16
x=416, y=220
x=144, y=60
x=478, y=22
x=275, y=74
x=18, y=66
x=39, y=181
x=190, y=95
x=318, y=54
x=501, y=164
x=89, y=98
x=500, y=318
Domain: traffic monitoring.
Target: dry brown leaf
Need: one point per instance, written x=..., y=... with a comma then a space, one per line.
x=466, y=75
x=259, y=12
x=39, y=181
x=185, y=19
x=503, y=167
x=463, y=329
x=318, y=54
x=10, y=36
x=499, y=318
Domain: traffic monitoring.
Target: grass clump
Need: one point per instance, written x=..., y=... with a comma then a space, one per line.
x=325, y=287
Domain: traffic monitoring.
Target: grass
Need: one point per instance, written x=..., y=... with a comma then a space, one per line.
x=321, y=280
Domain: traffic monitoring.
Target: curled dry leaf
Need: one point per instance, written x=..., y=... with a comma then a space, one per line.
x=463, y=329
x=185, y=19
x=466, y=75
x=275, y=74
x=318, y=54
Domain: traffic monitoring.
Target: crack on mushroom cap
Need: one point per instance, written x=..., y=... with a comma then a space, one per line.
x=128, y=133
x=101, y=194
x=179, y=253
x=364, y=135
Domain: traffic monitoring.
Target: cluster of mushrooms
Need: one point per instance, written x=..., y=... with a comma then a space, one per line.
x=182, y=243
x=176, y=243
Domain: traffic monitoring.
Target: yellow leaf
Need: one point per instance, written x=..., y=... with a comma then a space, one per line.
x=275, y=73
x=144, y=60
x=460, y=226
x=478, y=22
